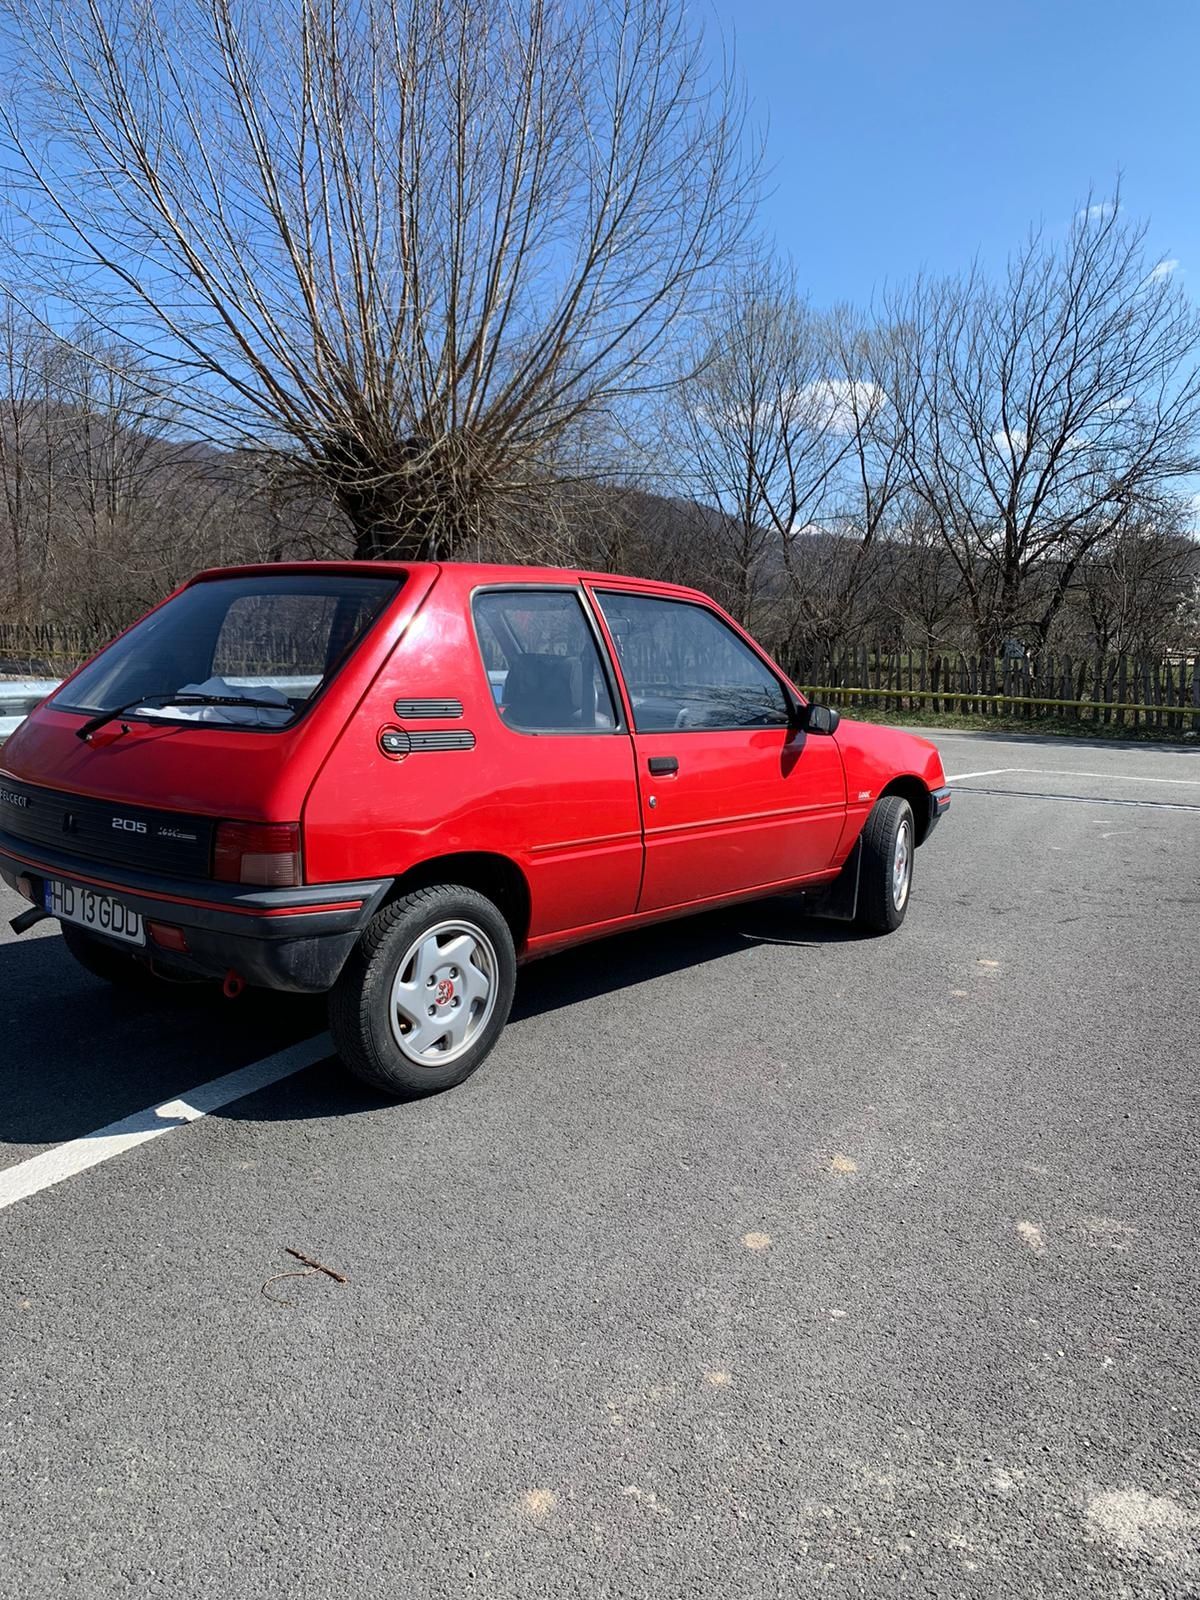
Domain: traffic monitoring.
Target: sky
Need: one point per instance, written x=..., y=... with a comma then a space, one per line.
x=913, y=135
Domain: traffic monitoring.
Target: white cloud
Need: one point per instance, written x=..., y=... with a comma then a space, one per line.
x=835, y=405
x=1112, y=408
x=841, y=404
x=1164, y=269
x=1100, y=212
x=1011, y=443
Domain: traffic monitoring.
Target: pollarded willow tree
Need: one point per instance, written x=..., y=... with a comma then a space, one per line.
x=416, y=244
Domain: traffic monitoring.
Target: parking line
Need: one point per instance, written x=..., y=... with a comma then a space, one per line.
x=1088, y=799
x=1122, y=777
x=1069, y=772
x=65, y=1160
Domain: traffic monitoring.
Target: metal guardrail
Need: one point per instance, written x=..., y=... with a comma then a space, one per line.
x=18, y=697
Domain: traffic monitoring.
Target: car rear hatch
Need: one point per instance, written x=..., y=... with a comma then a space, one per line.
x=144, y=789
x=113, y=833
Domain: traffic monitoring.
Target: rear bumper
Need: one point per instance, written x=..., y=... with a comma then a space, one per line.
x=295, y=939
x=939, y=804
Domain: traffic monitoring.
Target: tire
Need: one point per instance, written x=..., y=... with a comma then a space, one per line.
x=885, y=871
x=396, y=1010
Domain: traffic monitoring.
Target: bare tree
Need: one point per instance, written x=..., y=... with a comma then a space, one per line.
x=921, y=591
x=866, y=406
x=103, y=508
x=414, y=241
x=30, y=430
x=1041, y=412
x=753, y=430
x=838, y=580
x=1135, y=588
x=113, y=455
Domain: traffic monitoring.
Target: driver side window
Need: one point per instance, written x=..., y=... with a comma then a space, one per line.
x=686, y=670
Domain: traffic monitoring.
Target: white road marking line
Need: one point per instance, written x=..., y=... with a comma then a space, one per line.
x=1124, y=777
x=1068, y=772
x=992, y=772
x=1087, y=799
x=65, y=1160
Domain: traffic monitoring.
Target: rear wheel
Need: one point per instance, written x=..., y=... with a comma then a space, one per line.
x=426, y=992
x=885, y=873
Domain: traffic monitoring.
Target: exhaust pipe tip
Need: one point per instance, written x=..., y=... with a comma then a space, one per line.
x=28, y=919
x=233, y=985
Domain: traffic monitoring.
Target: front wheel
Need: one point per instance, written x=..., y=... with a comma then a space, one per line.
x=426, y=992
x=885, y=872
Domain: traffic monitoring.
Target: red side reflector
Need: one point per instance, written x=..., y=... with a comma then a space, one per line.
x=167, y=937
x=263, y=853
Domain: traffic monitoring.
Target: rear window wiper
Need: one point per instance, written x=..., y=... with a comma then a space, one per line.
x=168, y=697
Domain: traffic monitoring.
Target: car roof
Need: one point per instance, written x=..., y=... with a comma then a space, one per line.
x=470, y=574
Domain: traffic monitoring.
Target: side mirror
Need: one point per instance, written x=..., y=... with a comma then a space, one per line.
x=818, y=719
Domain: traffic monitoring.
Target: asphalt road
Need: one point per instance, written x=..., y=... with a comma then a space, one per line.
x=758, y=1260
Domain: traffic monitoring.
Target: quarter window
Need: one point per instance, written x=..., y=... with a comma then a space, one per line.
x=542, y=661
x=685, y=669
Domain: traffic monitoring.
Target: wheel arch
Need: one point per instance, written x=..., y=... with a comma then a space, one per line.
x=496, y=876
x=915, y=791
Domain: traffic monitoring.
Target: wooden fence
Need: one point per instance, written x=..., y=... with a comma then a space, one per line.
x=1124, y=691
x=45, y=647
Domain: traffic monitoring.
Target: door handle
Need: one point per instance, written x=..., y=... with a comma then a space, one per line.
x=663, y=766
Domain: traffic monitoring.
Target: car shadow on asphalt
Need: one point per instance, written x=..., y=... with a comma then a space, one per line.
x=658, y=952
x=77, y=1055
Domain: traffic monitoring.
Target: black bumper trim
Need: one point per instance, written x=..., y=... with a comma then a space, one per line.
x=939, y=804
x=291, y=948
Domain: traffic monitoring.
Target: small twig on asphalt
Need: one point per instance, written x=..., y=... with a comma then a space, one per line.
x=310, y=1266
x=278, y=1299
x=317, y=1266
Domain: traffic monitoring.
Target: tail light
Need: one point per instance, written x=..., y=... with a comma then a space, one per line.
x=265, y=853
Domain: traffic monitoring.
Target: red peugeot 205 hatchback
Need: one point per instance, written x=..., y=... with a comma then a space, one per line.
x=395, y=782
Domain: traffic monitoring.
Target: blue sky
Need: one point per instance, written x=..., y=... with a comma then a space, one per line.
x=911, y=134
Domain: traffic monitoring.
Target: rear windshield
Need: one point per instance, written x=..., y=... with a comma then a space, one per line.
x=272, y=640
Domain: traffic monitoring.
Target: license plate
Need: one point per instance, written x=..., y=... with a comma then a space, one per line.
x=75, y=903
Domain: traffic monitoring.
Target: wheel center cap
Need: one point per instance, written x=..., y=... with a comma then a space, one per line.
x=445, y=992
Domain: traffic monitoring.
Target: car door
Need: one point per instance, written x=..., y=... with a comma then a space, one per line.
x=733, y=797
x=563, y=793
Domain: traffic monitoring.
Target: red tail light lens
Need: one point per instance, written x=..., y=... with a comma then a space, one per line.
x=265, y=853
